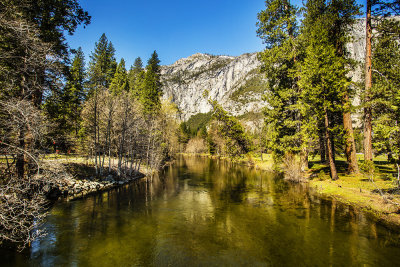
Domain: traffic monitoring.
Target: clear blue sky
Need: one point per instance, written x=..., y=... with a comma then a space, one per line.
x=175, y=28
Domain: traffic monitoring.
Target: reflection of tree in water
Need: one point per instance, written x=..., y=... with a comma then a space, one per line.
x=210, y=212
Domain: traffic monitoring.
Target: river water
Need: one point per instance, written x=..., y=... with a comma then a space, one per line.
x=203, y=212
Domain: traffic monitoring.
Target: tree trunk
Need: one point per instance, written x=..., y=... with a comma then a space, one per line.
x=20, y=163
x=304, y=159
x=95, y=131
x=350, y=146
x=322, y=151
x=368, y=85
x=331, y=159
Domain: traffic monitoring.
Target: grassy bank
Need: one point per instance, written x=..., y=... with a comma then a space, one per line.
x=265, y=162
x=381, y=198
x=355, y=190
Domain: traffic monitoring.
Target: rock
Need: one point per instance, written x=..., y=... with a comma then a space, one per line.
x=53, y=194
x=109, y=178
x=233, y=81
x=185, y=81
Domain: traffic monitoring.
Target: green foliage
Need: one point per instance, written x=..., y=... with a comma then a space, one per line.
x=184, y=133
x=135, y=75
x=367, y=167
x=120, y=81
x=236, y=141
x=306, y=70
x=278, y=29
x=198, y=121
x=64, y=106
x=102, y=64
x=54, y=19
x=277, y=23
x=385, y=100
x=151, y=91
x=323, y=80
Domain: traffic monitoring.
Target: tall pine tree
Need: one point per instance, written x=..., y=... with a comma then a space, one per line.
x=120, y=81
x=278, y=29
x=151, y=90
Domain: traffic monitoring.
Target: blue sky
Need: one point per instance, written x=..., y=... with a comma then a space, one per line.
x=175, y=28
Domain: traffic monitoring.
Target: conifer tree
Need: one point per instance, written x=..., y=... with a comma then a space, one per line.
x=151, y=90
x=120, y=81
x=385, y=93
x=321, y=88
x=102, y=68
x=277, y=27
x=380, y=14
x=64, y=105
x=76, y=87
x=102, y=64
x=134, y=71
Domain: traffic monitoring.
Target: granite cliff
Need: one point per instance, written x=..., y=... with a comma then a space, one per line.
x=235, y=82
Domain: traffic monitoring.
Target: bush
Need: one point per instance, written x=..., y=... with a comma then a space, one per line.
x=196, y=146
x=291, y=168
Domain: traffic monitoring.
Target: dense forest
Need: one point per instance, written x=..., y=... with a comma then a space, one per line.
x=54, y=100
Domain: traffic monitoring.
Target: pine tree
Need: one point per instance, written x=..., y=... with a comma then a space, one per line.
x=385, y=93
x=75, y=89
x=151, y=90
x=277, y=27
x=102, y=68
x=102, y=64
x=120, y=81
x=134, y=71
x=64, y=105
x=236, y=141
x=321, y=86
x=387, y=34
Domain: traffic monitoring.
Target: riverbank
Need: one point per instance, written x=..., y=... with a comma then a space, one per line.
x=354, y=190
x=75, y=177
x=265, y=163
x=362, y=194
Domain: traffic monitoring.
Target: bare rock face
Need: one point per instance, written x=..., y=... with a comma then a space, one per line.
x=235, y=82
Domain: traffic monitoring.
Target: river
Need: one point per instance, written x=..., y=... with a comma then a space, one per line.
x=203, y=212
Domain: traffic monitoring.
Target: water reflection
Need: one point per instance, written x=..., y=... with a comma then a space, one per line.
x=209, y=212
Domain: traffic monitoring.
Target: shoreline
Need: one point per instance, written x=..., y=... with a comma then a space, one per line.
x=360, y=197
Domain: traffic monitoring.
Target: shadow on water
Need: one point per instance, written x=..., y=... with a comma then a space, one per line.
x=206, y=212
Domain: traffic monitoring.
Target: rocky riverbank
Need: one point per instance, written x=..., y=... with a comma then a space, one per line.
x=70, y=188
x=68, y=180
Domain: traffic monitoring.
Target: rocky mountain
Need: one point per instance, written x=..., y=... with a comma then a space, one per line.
x=235, y=82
